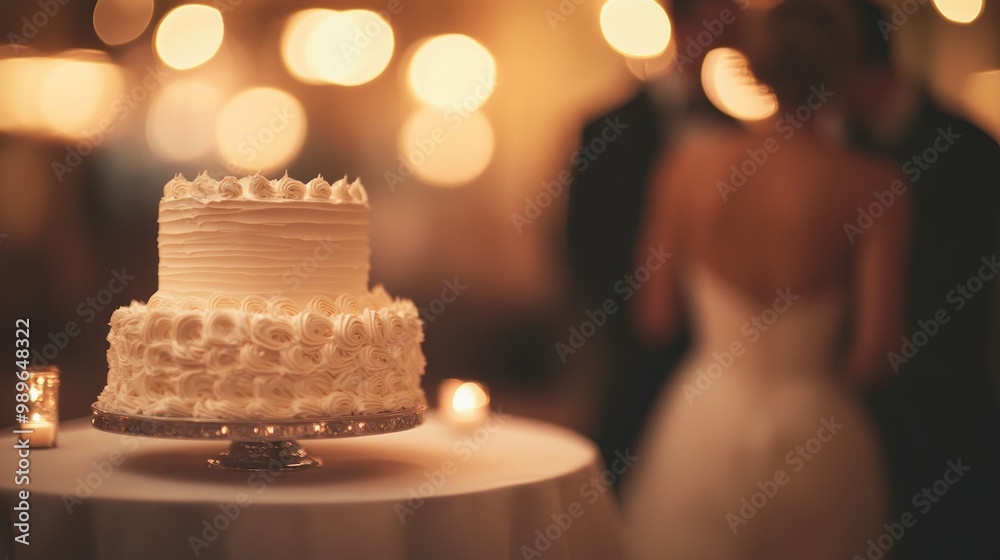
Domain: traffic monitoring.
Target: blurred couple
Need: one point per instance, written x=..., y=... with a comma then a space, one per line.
x=825, y=435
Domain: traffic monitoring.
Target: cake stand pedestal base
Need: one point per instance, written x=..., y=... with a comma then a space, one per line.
x=271, y=456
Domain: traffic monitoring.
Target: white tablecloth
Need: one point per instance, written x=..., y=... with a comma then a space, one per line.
x=522, y=489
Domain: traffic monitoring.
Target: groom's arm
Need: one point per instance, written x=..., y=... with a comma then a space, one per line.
x=656, y=305
x=880, y=283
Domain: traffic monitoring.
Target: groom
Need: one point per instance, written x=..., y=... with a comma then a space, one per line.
x=940, y=413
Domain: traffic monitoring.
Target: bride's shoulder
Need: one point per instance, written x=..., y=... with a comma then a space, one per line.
x=703, y=149
x=869, y=171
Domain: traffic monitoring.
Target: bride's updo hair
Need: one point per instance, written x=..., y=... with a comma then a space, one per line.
x=800, y=45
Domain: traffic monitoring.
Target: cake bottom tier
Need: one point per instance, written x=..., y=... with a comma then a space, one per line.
x=264, y=357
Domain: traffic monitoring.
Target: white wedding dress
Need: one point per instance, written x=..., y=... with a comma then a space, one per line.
x=736, y=466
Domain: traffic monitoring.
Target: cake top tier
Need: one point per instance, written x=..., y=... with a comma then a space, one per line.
x=258, y=187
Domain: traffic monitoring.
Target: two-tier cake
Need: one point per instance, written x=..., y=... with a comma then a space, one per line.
x=263, y=309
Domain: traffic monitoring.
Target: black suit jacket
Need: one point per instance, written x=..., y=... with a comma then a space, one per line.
x=942, y=405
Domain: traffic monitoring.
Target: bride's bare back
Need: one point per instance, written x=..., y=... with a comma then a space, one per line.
x=767, y=213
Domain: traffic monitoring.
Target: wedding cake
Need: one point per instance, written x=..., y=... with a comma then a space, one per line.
x=263, y=309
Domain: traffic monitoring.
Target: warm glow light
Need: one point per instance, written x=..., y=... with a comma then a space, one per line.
x=469, y=396
x=33, y=394
x=120, y=21
x=452, y=71
x=260, y=129
x=979, y=95
x=36, y=417
x=648, y=68
x=730, y=86
x=176, y=128
x=64, y=96
x=446, y=150
x=77, y=94
x=346, y=48
x=295, y=36
x=959, y=11
x=463, y=404
x=636, y=28
x=189, y=35
x=21, y=107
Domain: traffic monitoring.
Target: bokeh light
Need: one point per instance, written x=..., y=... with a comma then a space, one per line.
x=979, y=95
x=77, y=94
x=189, y=35
x=469, y=396
x=959, y=11
x=21, y=107
x=732, y=87
x=452, y=71
x=176, y=128
x=66, y=96
x=346, y=48
x=446, y=149
x=119, y=21
x=649, y=68
x=260, y=129
x=294, y=39
x=636, y=28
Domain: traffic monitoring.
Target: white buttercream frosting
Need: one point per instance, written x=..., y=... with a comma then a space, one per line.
x=334, y=356
x=261, y=238
x=263, y=309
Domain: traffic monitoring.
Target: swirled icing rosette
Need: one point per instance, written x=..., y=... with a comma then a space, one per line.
x=349, y=333
x=271, y=332
x=204, y=186
x=289, y=189
x=319, y=188
x=323, y=305
x=259, y=187
x=230, y=187
x=178, y=187
x=349, y=305
x=188, y=327
x=280, y=305
x=223, y=301
x=314, y=328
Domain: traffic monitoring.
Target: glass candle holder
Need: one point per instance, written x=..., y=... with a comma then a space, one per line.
x=43, y=406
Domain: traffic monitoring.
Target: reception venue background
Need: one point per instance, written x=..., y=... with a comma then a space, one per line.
x=462, y=118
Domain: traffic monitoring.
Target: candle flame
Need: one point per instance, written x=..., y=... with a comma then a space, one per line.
x=36, y=417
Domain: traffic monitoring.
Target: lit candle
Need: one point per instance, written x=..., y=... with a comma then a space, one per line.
x=43, y=432
x=464, y=403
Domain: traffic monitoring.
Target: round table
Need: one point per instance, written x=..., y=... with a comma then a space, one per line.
x=511, y=488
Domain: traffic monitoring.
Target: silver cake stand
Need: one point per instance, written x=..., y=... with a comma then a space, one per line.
x=258, y=444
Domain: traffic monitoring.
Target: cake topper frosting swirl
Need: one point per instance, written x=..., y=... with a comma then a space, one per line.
x=257, y=186
x=319, y=188
x=357, y=191
x=230, y=187
x=178, y=187
x=203, y=186
x=289, y=188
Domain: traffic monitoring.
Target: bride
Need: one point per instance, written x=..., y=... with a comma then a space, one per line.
x=760, y=448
